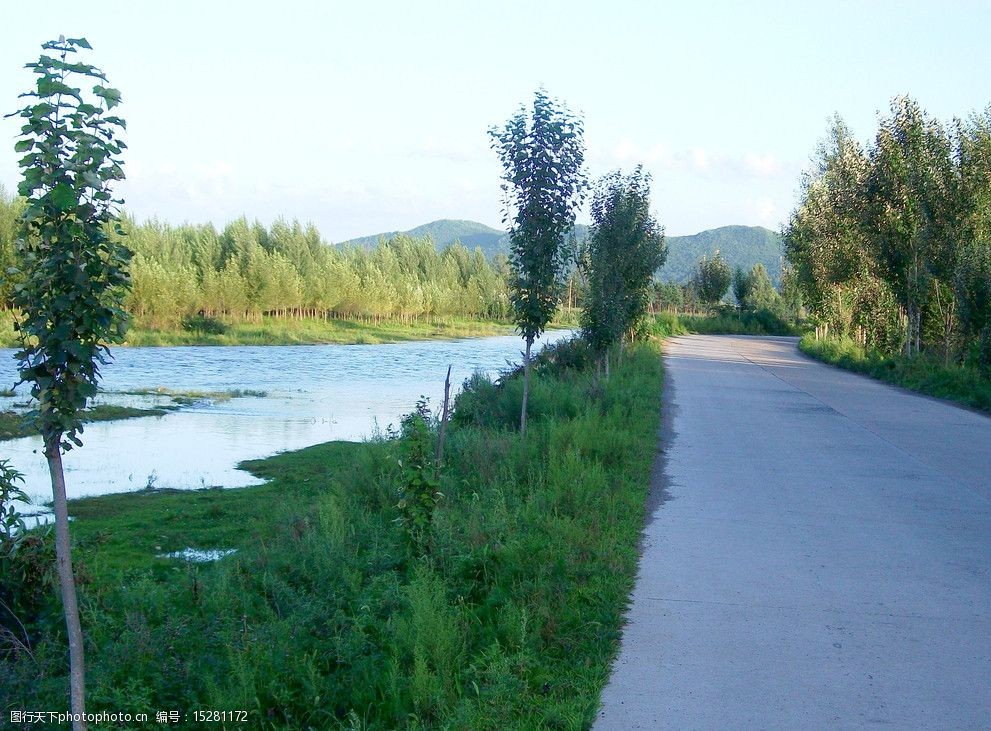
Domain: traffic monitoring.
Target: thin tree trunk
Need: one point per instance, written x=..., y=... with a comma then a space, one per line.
x=70, y=607
x=918, y=330
x=443, y=424
x=911, y=332
x=526, y=386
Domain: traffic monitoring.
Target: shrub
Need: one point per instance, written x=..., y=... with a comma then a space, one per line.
x=203, y=324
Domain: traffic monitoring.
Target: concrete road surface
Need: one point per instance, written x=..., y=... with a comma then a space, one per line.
x=820, y=556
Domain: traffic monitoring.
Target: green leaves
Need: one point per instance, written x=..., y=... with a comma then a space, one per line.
x=712, y=278
x=542, y=153
x=888, y=246
x=64, y=197
x=49, y=86
x=75, y=278
x=625, y=248
x=110, y=96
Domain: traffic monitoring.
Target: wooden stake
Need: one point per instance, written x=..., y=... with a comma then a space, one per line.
x=438, y=456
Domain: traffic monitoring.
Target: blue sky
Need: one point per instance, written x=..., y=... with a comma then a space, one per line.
x=373, y=116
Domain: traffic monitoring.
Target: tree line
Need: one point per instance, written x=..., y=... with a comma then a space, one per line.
x=247, y=270
x=891, y=245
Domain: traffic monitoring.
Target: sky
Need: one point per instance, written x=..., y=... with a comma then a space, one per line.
x=370, y=117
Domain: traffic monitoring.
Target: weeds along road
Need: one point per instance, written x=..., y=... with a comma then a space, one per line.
x=819, y=558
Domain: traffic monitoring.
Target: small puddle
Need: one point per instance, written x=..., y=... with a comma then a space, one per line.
x=199, y=555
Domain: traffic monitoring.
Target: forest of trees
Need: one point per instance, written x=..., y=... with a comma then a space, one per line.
x=891, y=246
x=247, y=270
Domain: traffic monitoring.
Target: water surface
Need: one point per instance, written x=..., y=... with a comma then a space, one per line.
x=316, y=393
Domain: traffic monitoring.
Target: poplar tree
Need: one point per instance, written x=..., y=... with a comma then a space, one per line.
x=908, y=193
x=75, y=275
x=542, y=152
x=625, y=248
x=712, y=278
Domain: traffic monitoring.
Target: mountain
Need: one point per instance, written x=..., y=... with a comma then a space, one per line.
x=444, y=233
x=739, y=245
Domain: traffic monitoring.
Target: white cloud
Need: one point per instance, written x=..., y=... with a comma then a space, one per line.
x=698, y=160
x=764, y=211
x=761, y=165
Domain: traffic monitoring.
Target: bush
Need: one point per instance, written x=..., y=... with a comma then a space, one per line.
x=922, y=373
x=419, y=486
x=203, y=324
x=27, y=576
x=982, y=355
x=722, y=320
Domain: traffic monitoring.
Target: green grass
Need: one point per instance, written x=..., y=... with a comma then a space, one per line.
x=14, y=425
x=277, y=331
x=184, y=398
x=8, y=338
x=920, y=373
x=274, y=331
x=721, y=322
x=326, y=617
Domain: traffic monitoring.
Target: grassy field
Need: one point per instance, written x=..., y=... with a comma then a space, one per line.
x=919, y=373
x=329, y=616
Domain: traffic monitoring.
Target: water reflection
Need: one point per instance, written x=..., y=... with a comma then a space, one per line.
x=315, y=393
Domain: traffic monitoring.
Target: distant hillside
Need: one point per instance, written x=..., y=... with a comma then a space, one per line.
x=444, y=233
x=740, y=245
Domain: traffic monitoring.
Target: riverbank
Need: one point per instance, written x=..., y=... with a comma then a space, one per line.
x=278, y=331
x=14, y=425
x=919, y=373
x=327, y=616
x=308, y=331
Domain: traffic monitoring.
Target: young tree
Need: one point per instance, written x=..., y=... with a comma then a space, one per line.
x=741, y=286
x=761, y=294
x=625, y=248
x=542, y=153
x=972, y=280
x=75, y=275
x=825, y=240
x=791, y=293
x=908, y=190
x=712, y=278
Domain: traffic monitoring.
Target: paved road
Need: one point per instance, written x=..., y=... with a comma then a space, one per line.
x=822, y=559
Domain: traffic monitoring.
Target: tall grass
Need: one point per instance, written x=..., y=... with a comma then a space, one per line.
x=328, y=617
x=921, y=373
x=279, y=331
x=721, y=321
x=8, y=338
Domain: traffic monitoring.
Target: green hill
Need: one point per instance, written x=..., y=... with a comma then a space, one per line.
x=740, y=245
x=444, y=233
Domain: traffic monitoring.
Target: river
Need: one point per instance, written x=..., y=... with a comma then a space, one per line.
x=314, y=394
